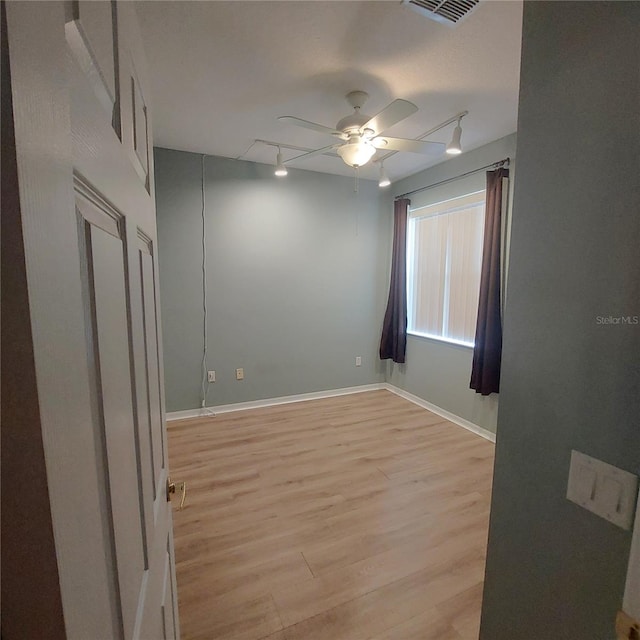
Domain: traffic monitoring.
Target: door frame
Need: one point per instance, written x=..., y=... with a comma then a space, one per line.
x=631, y=602
x=42, y=124
x=52, y=488
x=28, y=546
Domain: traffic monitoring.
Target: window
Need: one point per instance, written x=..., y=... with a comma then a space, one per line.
x=444, y=259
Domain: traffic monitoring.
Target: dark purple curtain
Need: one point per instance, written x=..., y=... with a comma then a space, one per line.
x=393, y=343
x=487, y=352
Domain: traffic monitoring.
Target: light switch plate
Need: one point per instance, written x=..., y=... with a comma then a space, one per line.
x=603, y=489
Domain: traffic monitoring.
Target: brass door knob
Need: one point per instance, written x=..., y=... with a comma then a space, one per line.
x=171, y=488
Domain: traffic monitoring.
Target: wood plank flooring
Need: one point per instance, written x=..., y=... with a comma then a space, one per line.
x=360, y=517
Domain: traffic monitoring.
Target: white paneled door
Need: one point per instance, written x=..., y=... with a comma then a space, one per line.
x=85, y=168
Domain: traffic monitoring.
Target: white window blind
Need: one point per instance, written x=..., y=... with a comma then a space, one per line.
x=444, y=259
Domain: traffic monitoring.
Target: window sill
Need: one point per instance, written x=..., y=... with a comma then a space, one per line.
x=454, y=343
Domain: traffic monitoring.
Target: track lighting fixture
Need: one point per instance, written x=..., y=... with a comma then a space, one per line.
x=384, y=178
x=454, y=147
x=281, y=170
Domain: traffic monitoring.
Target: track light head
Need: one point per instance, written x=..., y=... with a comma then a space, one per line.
x=281, y=170
x=384, y=178
x=455, y=146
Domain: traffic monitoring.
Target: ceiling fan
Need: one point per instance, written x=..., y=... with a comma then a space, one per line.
x=361, y=135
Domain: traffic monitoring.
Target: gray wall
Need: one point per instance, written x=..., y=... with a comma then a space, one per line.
x=294, y=279
x=555, y=570
x=436, y=371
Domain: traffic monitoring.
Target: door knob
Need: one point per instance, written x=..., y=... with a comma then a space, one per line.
x=173, y=486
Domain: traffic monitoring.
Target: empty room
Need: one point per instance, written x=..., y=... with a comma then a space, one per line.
x=320, y=320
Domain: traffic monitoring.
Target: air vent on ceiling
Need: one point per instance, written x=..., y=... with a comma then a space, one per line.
x=449, y=12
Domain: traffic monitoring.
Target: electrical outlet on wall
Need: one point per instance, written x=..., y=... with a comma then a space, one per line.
x=240, y=374
x=211, y=376
x=358, y=361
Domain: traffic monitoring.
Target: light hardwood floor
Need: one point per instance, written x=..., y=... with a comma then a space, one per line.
x=360, y=517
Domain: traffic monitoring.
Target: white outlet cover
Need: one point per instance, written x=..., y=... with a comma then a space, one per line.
x=603, y=489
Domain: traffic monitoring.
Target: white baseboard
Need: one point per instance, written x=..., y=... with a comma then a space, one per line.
x=271, y=402
x=331, y=393
x=461, y=422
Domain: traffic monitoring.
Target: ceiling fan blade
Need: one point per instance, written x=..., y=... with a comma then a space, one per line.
x=392, y=113
x=317, y=152
x=310, y=125
x=403, y=144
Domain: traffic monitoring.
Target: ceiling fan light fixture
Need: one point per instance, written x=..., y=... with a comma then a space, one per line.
x=384, y=178
x=455, y=147
x=360, y=136
x=356, y=154
x=281, y=170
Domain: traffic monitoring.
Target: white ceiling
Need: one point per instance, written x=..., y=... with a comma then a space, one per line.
x=221, y=73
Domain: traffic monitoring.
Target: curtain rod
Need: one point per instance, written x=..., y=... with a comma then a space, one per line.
x=499, y=163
